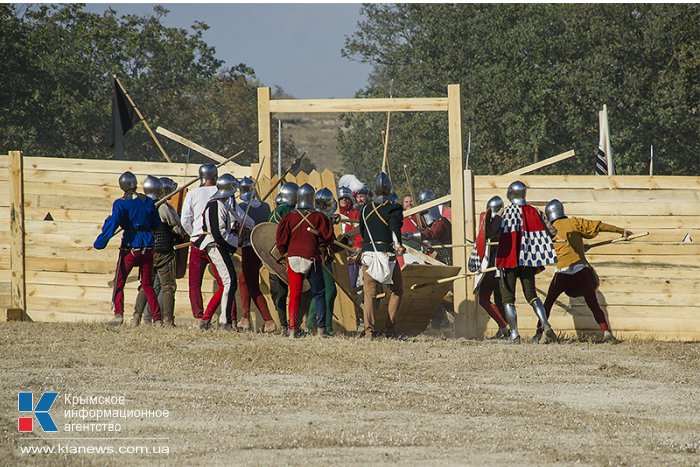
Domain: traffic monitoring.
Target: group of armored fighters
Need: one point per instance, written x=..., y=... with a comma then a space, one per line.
x=513, y=242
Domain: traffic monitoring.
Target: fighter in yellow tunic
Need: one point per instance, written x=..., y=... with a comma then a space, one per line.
x=573, y=274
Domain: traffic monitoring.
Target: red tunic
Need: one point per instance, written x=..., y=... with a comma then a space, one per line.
x=439, y=231
x=298, y=241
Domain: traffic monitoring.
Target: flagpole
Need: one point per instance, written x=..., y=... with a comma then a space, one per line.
x=651, y=161
x=608, y=146
x=143, y=120
x=279, y=149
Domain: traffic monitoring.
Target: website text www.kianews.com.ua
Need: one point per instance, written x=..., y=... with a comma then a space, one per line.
x=83, y=449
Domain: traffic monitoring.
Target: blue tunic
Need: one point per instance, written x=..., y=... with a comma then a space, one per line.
x=138, y=217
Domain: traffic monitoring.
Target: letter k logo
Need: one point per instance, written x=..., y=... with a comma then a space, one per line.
x=25, y=403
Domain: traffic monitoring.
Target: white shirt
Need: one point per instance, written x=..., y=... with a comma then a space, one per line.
x=193, y=208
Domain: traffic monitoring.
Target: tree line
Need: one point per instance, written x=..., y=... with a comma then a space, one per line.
x=57, y=67
x=533, y=78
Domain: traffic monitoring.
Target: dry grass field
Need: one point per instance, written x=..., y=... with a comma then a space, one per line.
x=268, y=400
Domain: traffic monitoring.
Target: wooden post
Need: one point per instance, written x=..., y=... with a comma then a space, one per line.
x=18, y=297
x=459, y=255
x=264, y=131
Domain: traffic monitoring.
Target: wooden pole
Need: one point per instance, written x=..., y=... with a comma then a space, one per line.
x=143, y=120
x=385, y=161
x=18, y=294
x=451, y=279
x=264, y=131
x=190, y=144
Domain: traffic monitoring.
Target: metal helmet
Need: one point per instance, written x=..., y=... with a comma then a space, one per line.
x=152, y=187
x=305, y=197
x=325, y=202
x=127, y=182
x=382, y=188
x=516, y=193
x=431, y=215
x=494, y=205
x=288, y=193
x=207, y=171
x=225, y=187
x=247, y=187
x=363, y=191
x=554, y=210
x=344, y=192
x=168, y=185
x=278, y=199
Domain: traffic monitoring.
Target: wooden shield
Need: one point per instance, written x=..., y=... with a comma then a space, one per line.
x=417, y=306
x=181, y=262
x=262, y=238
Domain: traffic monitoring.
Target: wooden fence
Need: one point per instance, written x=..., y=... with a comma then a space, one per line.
x=650, y=287
x=65, y=203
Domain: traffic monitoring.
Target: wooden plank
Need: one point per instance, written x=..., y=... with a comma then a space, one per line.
x=94, y=192
x=82, y=166
x=60, y=241
x=540, y=164
x=264, y=131
x=588, y=195
x=17, y=253
x=652, y=272
x=594, y=181
x=68, y=202
x=429, y=104
x=660, y=208
x=642, y=260
x=191, y=144
x=37, y=227
x=315, y=180
x=428, y=205
x=62, y=215
x=647, y=248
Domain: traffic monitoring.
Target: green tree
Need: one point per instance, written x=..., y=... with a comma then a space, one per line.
x=533, y=78
x=57, y=68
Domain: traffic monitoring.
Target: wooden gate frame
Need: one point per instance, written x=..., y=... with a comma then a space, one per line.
x=463, y=221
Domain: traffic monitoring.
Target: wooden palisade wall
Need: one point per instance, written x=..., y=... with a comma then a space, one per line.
x=65, y=278
x=650, y=287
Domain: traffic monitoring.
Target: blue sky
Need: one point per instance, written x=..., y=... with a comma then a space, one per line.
x=295, y=46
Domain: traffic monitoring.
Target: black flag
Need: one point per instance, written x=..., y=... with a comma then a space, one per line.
x=123, y=118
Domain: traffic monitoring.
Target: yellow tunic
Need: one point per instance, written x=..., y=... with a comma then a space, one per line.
x=574, y=230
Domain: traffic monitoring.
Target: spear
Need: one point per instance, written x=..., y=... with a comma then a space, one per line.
x=452, y=279
x=141, y=118
x=616, y=240
x=294, y=165
x=167, y=197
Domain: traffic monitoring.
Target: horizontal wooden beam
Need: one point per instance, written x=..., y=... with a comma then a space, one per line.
x=430, y=104
x=540, y=164
x=428, y=205
x=190, y=144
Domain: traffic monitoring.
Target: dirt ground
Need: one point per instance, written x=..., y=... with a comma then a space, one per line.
x=268, y=400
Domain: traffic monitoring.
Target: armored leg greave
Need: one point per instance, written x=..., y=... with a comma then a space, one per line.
x=512, y=318
x=539, y=310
